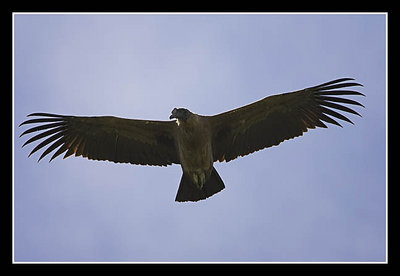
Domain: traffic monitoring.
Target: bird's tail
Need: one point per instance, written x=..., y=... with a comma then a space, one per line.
x=189, y=192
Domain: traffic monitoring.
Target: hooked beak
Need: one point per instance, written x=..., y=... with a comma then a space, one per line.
x=173, y=115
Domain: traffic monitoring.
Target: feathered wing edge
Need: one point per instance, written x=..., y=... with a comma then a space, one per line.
x=55, y=126
x=326, y=97
x=318, y=105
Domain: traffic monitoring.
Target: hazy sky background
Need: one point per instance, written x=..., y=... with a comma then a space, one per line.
x=319, y=197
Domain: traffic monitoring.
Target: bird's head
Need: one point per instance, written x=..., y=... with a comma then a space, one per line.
x=181, y=114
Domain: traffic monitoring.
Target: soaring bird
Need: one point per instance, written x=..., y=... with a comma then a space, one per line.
x=195, y=141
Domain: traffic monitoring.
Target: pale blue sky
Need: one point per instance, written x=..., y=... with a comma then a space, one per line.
x=319, y=197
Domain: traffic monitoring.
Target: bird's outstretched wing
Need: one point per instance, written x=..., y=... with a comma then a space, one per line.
x=105, y=138
x=274, y=119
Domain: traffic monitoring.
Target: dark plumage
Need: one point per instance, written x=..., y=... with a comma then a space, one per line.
x=194, y=141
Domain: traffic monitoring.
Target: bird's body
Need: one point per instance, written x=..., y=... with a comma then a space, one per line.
x=195, y=151
x=195, y=141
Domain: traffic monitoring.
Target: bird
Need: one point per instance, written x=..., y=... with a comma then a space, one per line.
x=195, y=141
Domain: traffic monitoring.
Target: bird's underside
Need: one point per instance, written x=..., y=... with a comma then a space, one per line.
x=194, y=141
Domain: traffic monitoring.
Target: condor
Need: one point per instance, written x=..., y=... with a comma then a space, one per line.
x=191, y=140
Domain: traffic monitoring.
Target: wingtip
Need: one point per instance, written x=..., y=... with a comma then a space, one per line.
x=53, y=157
x=43, y=114
x=26, y=122
x=346, y=79
x=355, y=83
x=41, y=157
x=21, y=124
x=341, y=82
x=33, y=114
x=31, y=154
